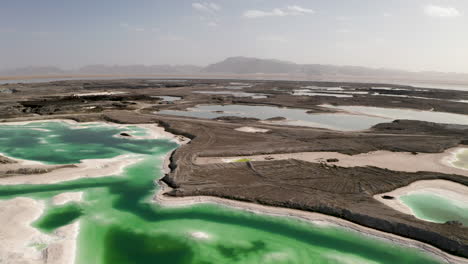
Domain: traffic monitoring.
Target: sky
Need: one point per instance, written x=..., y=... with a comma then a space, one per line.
x=416, y=35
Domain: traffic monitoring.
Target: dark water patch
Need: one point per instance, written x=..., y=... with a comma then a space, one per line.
x=49, y=190
x=127, y=246
x=59, y=216
x=238, y=253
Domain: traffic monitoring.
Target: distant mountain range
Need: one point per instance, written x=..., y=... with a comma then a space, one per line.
x=104, y=70
x=249, y=68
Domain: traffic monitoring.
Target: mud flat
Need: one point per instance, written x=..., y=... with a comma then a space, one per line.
x=398, y=161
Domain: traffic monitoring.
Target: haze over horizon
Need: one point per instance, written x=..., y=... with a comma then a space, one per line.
x=414, y=35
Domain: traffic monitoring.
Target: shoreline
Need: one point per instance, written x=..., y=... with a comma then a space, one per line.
x=273, y=211
x=413, y=82
x=444, y=188
x=61, y=245
x=89, y=168
x=156, y=131
x=315, y=218
x=26, y=244
x=455, y=158
x=65, y=252
x=17, y=237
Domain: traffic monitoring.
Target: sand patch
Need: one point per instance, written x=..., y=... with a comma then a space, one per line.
x=99, y=93
x=251, y=130
x=63, y=251
x=158, y=132
x=64, y=198
x=397, y=161
x=91, y=168
x=21, y=243
x=199, y=235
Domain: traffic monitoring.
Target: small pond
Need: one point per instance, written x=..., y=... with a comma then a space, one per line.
x=294, y=116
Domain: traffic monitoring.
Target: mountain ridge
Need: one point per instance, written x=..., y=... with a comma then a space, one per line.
x=244, y=66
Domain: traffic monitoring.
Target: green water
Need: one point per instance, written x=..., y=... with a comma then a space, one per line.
x=59, y=143
x=57, y=216
x=119, y=224
x=462, y=160
x=436, y=208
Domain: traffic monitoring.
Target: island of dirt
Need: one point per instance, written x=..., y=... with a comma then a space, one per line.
x=346, y=192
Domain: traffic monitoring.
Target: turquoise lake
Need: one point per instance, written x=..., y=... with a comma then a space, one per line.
x=119, y=224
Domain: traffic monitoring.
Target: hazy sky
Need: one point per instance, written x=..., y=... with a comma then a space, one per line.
x=405, y=34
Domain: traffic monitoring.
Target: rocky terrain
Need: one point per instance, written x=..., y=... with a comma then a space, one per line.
x=319, y=187
x=5, y=160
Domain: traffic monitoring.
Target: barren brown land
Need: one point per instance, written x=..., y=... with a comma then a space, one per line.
x=346, y=192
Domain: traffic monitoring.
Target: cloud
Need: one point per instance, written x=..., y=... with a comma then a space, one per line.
x=41, y=33
x=7, y=30
x=214, y=7
x=278, y=39
x=259, y=13
x=344, y=30
x=379, y=41
x=172, y=37
x=440, y=11
x=128, y=27
x=206, y=7
x=212, y=24
x=209, y=12
x=300, y=10
x=343, y=18
x=279, y=12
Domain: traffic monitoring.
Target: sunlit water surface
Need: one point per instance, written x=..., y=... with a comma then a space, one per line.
x=436, y=208
x=294, y=116
x=410, y=114
x=461, y=159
